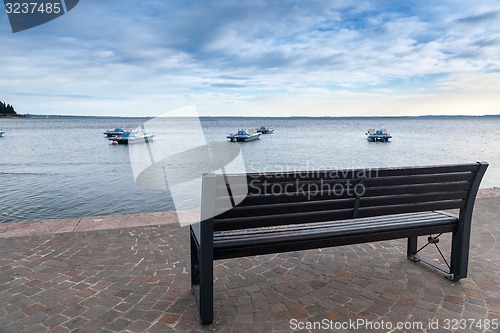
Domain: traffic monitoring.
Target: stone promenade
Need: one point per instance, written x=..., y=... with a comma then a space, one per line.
x=136, y=279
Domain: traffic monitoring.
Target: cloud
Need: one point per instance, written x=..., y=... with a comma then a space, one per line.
x=480, y=18
x=227, y=85
x=246, y=53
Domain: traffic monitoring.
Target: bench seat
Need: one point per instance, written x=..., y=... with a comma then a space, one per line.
x=264, y=240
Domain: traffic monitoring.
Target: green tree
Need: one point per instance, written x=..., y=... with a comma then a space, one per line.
x=7, y=109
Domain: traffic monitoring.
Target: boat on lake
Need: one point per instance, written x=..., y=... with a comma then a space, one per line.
x=116, y=131
x=378, y=135
x=129, y=137
x=265, y=130
x=2, y=133
x=244, y=136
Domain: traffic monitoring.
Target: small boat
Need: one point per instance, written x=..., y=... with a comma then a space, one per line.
x=244, y=136
x=130, y=137
x=265, y=130
x=116, y=131
x=378, y=135
x=1, y=133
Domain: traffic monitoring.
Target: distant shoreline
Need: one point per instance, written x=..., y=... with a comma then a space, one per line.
x=40, y=116
x=12, y=116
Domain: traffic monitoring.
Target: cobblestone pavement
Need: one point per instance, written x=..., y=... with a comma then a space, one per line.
x=137, y=280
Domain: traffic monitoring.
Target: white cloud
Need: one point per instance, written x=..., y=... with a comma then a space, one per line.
x=471, y=82
x=234, y=57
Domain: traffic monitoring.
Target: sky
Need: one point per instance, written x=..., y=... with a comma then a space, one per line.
x=257, y=58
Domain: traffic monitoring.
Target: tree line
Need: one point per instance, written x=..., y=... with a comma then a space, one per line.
x=7, y=109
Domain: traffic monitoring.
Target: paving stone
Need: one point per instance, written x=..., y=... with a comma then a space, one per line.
x=95, y=325
x=55, y=320
x=139, y=326
x=118, y=325
x=16, y=326
x=75, y=323
x=58, y=329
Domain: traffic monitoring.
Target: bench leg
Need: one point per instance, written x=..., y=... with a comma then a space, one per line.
x=195, y=264
x=412, y=248
x=206, y=290
x=460, y=253
x=202, y=277
x=457, y=269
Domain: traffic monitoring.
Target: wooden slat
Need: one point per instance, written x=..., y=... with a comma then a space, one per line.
x=416, y=189
x=357, y=173
x=289, y=187
x=428, y=170
x=286, y=208
x=419, y=207
x=312, y=175
x=252, y=200
x=283, y=219
x=302, y=186
x=411, y=198
x=266, y=185
x=419, y=179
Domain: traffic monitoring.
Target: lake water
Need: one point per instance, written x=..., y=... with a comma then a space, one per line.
x=61, y=167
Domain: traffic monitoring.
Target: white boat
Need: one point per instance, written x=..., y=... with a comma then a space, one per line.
x=378, y=135
x=113, y=132
x=244, y=136
x=132, y=137
x=265, y=129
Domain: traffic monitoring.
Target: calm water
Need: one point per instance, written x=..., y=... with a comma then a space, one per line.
x=61, y=167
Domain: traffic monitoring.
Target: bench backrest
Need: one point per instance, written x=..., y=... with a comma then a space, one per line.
x=282, y=198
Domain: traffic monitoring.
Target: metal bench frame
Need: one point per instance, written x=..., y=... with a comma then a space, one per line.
x=396, y=203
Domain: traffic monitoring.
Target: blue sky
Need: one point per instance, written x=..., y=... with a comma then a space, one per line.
x=262, y=58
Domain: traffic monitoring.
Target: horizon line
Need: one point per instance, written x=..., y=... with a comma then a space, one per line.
x=27, y=115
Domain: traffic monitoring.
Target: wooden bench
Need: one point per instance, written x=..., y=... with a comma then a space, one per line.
x=291, y=211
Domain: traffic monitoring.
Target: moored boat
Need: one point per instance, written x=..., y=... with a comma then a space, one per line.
x=116, y=131
x=244, y=136
x=265, y=130
x=378, y=135
x=130, y=137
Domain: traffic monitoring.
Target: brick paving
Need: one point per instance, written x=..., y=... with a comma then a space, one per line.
x=136, y=279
